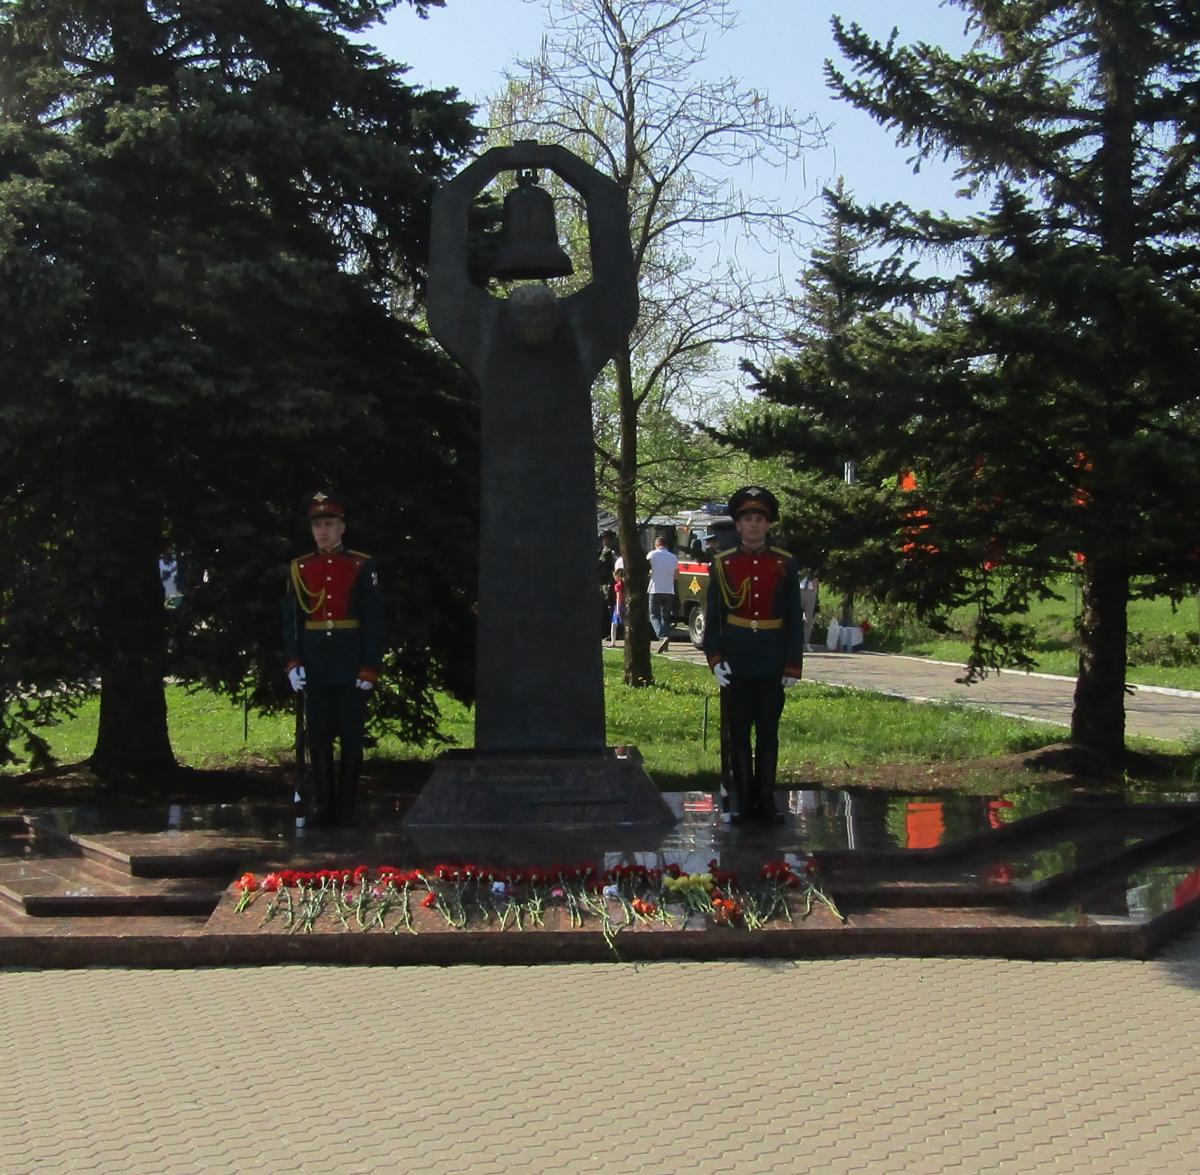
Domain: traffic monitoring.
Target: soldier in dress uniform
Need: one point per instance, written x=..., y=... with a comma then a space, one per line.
x=333, y=636
x=754, y=642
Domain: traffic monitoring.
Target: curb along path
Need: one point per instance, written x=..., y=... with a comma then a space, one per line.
x=1148, y=713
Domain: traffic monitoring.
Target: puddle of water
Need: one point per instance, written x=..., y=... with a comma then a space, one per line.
x=1137, y=897
x=815, y=819
x=830, y=819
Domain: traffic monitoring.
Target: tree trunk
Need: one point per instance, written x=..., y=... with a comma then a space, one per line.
x=131, y=621
x=133, y=733
x=637, y=571
x=1098, y=718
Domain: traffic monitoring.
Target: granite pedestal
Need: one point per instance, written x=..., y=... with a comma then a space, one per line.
x=547, y=794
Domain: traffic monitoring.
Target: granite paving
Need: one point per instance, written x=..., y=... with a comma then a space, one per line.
x=868, y=1066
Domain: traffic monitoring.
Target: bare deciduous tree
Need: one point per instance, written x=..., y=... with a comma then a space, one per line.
x=620, y=83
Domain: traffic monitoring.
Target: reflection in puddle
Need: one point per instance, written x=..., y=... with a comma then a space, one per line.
x=825, y=821
x=1098, y=864
x=830, y=818
x=877, y=820
x=1160, y=888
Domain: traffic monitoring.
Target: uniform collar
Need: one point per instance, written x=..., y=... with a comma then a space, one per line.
x=338, y=550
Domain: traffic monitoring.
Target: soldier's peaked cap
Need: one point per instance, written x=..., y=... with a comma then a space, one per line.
x=324, y=504
x=754, y=498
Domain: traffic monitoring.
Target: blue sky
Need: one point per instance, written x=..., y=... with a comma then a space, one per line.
x=779, y=47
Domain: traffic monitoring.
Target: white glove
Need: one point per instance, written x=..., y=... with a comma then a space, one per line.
x=362, y=683
x=788, y=682
x=297, y=678
x=722, y=673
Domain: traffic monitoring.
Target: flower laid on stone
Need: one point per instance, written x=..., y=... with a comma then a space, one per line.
x=779, y=876
x=248, y=884
x=616, y=899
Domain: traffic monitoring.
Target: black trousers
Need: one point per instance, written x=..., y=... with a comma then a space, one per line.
x=335, y=711
x=755, y=704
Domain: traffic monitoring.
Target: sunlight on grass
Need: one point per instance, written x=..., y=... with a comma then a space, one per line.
x=821, y=726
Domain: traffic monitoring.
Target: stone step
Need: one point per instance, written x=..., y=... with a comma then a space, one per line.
x=1039, y=860
x=1068, y=822
x=28, y=940
x=77, y=887
x=199, y=853
x=1015, y=884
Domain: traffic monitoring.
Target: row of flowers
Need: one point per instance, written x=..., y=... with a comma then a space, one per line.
x=613, y=899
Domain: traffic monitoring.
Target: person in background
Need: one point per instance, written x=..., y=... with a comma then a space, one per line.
x=605, y=567
x=664, y=566
x=618, y=612
x=168, y=572
x=808, y=604
x=754, y=643
x=333, y=637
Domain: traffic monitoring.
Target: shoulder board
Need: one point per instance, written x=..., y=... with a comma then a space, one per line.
x=299, y=560
x=727, y=552
x=358, y=554
x=781, y=551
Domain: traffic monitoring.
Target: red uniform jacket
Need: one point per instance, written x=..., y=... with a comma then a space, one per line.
x=333, y=619
x=753, y=619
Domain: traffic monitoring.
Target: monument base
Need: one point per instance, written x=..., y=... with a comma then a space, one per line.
x=540, y=790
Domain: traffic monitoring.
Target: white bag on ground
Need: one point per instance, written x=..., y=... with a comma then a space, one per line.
x=833, y=639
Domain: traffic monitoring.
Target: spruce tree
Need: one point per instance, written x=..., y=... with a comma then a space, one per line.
x=206, y=213
x=1040, y=384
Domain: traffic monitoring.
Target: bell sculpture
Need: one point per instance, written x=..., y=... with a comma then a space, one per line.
x=529, y=245
x=541, y=759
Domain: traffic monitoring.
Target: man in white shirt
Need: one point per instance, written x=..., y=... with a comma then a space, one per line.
x=663, y=568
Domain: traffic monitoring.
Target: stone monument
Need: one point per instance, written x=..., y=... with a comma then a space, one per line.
x=540, y=753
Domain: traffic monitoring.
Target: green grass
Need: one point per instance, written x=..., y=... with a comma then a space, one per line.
x=1160, y=635
x=822, y=726
x=206, y=730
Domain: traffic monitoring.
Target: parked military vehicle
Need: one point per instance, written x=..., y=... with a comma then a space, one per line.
x=687, y=534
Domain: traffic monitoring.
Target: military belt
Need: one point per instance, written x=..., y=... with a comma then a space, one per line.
x=327, y=625
x=753, y=625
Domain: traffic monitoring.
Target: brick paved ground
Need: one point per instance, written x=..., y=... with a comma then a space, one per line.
x=872, y=1065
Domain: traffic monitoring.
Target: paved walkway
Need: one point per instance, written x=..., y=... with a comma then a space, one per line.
x=867, y=1065
x=1152, y=713
x=874, y=1065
